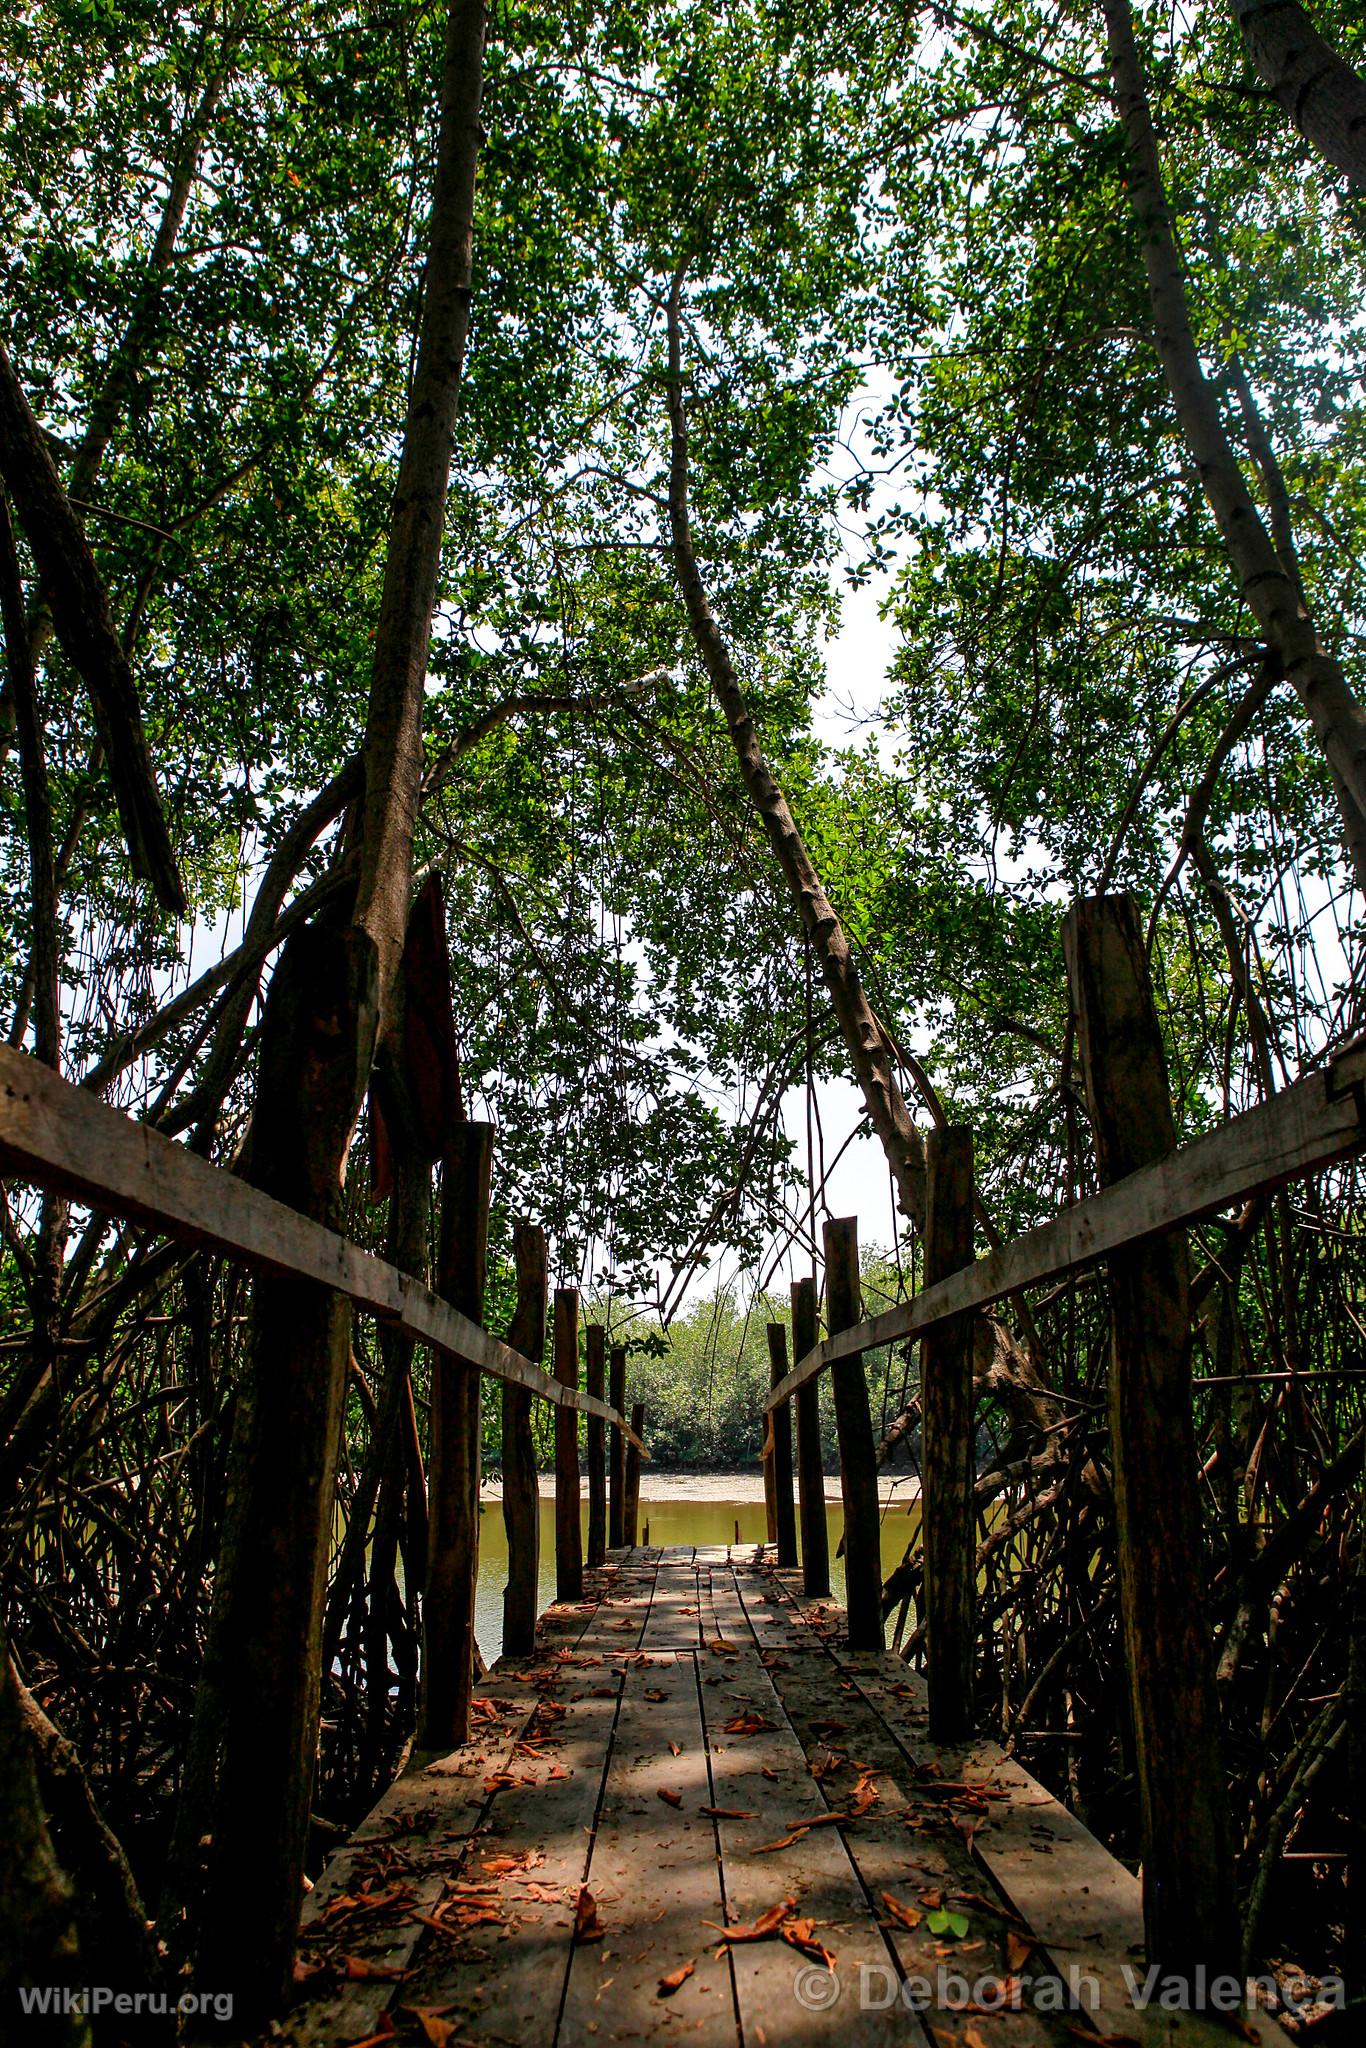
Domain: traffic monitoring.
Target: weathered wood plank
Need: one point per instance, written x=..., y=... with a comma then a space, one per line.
x=948, y=1417
x=1307, y=1126
x=594, y=1347
x=904, y=1842
x=810, y=1464
x=57, y=1137
x=653, y=1871
x=1189, y=1906
x=568, y=1525
x=858, y=1452
x=760, y=1783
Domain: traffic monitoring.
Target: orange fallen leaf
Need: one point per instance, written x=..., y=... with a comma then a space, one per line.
x=358, y=1970
x=670, y=1797
x=587, y=1926
x=676, y=1748
x=725, y=1813
x=748, y=1724
x=802, y=1936
x=435, y=2029
x=905, y=1915
x=543, y=1894
x=673, y=1980
x=767, y=1923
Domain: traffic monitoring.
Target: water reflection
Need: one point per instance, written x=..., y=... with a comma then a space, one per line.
x=669, y=1521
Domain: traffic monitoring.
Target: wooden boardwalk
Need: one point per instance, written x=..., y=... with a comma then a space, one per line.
x=693, y=1748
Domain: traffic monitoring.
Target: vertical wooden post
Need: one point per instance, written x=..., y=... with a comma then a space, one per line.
x=630, y=1509
x=858, y=1451
x=948, y=1429
x=616, y=1448
x=521, y=1488
x=780, y=1456
x=1188, y=1900
x=453, y=1471
x=595, y=1338
x=810, y=1465
x=568, y=1527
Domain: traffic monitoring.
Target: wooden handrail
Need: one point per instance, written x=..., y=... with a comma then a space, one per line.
x=59, y=1137
x=1315, y=1121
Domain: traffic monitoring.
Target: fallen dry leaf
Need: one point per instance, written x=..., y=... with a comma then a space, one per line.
x=587, y=1926
x=673, y=1980
x=670, y=1797
x=802, y=1935
x=435, y=2029
x=725, y=1813
x=676, y=1748
x=358, y=1970
x=748, y=1724
x=905, y=1915
x=759, y=1930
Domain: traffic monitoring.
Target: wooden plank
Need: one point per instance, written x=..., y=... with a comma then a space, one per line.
x=429, y=1820
x=57, y=1137
x=630, y=1495
x=904, y=1843
x=521, y=1486
x=810, y=1464
x=568, y=1526
x=779, y=1466
x=1085, y=1908
x=948, y=1411
x=1309, y=1125
x=763, y=1779
x=858, y=1452
x=616, y=1448
x=453, y=1469
x=595, y=1341
x=412, y=1843
x=1190, y=1908
x=504, y=1981
x=653, y=1871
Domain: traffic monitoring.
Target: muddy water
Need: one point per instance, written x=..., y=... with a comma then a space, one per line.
x=668, y=1521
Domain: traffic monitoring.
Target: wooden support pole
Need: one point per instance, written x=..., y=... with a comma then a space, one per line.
x=948, y=1429
x=1189, y=1905
x=595, y=1340
x=784, y=1532
x=630, y=1508
x=568, y=1527
x=858, y=1450
x=616, y=1449
x=521, y=1488
x=456, y=1445
x=810, y=1464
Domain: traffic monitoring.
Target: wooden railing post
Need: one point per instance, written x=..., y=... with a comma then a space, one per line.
x=595, y=1339
x=810, y=1465
x=779, y=1462
x=616, y=1449
x=947, y=1421
x=858, y=1450
x=521, y=1489
x=1188, y=1897
x=454, y=1464
x=630, y=1506
x=568, y=1527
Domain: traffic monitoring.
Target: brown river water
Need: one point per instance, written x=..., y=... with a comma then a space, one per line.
x=675, y=1518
